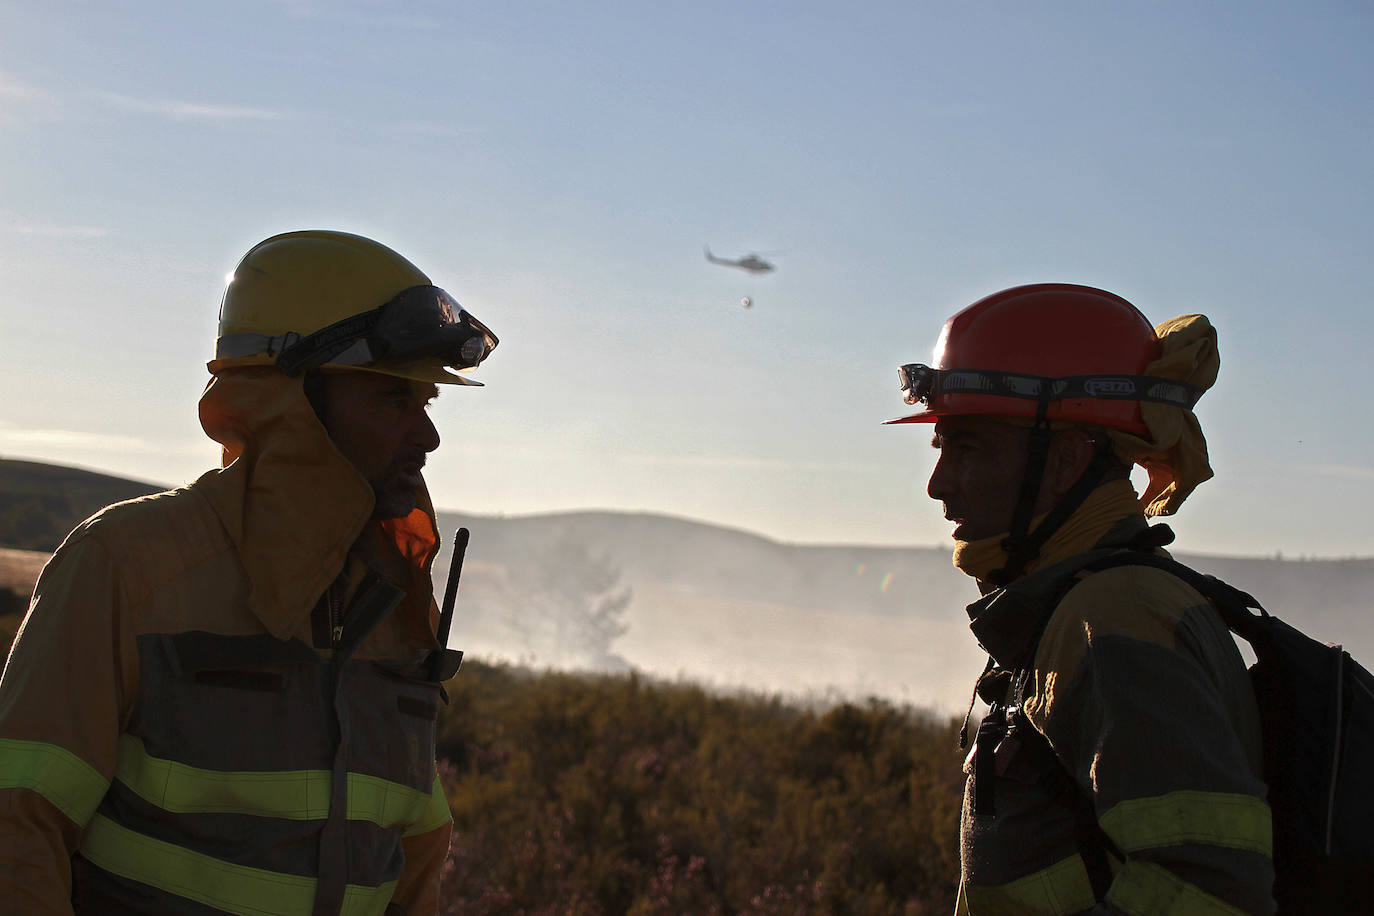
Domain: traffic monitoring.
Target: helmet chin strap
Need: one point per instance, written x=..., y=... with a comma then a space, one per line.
x=1021, y=544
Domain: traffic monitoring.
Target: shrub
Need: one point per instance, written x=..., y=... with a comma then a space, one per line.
x=617, y=794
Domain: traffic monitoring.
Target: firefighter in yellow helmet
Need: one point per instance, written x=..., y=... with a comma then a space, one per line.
x=223, y=698
x=1118, y=768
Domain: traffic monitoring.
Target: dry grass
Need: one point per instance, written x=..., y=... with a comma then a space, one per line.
x=18, y=572
x=19, y=569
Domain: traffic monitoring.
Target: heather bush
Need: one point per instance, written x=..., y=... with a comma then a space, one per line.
x=620, y=794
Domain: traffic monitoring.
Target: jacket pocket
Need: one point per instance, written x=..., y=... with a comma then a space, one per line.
x=262, y=681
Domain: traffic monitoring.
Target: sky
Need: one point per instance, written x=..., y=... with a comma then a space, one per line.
x=558, y=168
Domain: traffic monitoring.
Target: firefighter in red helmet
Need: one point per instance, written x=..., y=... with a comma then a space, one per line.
x=1118, y=768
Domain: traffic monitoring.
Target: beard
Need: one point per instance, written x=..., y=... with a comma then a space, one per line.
x=395, y=491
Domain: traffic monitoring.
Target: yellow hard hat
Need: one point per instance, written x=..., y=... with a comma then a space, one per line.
x=318, y=299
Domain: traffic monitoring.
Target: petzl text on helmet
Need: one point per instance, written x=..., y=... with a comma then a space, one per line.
x=921, y=384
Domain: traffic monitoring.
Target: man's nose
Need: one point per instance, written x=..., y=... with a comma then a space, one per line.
x=939, y=485
x=423, y=433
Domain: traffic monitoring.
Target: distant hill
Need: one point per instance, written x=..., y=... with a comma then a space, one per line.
x=732, y=608
x=712, y=604
x=708, y=560
x=700, y=558
x=41, y=503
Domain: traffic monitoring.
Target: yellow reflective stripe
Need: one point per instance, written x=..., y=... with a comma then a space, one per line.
x=1061, y=888
x=437, y=814
x=213, y=882
x=1187, y=817
x=71, y=784
x=183, y=789
x=300, y=795
x=1145, y=889
x=386, y=803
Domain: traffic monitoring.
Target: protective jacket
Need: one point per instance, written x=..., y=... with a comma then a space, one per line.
x=1147, y=708
x=218, y=703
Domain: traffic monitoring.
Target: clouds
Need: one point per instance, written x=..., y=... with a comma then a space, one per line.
x=12, y=89
x=59, y=232
x=180, y=110
x=365, y=15
x=21, y=102
x=110, y=451
x=1344, y=471
x=737, y=463
x=168, y=461
x=45, y=441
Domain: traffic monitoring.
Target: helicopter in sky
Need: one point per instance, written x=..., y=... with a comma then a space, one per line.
x=750, y=262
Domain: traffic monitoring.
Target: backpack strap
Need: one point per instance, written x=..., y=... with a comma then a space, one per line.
x=1234, y=605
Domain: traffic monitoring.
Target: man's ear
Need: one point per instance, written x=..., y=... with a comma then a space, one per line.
x=1071, y=451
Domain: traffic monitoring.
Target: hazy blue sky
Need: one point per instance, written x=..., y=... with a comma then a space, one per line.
x=558, y=167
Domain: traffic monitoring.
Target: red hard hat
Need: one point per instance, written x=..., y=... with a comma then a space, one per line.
x=1048, y=331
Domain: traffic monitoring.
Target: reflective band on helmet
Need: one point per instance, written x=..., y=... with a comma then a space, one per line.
x=422, y=322
x=921, y=384
x=213, y=882
x=69, y=783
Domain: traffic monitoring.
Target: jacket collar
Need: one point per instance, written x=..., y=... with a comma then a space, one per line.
x=1007, y=622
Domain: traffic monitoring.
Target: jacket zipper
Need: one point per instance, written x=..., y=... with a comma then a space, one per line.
x=335, y=618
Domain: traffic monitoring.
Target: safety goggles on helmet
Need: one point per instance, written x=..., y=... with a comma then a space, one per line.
x=922, y=384
x=420, y=323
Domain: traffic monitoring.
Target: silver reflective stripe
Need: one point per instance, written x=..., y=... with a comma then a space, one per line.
x=234, y=346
